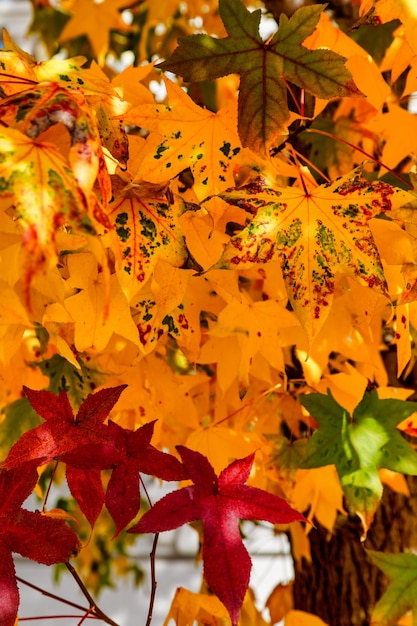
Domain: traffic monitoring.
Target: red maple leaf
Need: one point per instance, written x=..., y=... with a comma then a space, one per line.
x=62, y=432
x=136, y=454
x=31, y=534
x=128, y=453
x=219, y=501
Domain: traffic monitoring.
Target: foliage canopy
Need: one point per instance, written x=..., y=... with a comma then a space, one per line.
x=208, y=252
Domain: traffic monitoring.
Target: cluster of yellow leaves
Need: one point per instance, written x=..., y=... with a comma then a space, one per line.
x=112, y=242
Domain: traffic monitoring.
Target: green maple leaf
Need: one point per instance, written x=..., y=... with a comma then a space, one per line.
x=359, y=445
x=265, y=67
x=401, y=594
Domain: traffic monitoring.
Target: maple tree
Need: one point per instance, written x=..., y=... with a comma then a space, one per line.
x=208, y=253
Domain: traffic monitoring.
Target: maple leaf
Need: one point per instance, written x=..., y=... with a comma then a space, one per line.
x=193, y=137
x=395, y=127
x=123, y=90
x=37, y=182
x=265, y=67
x=34, y=536
x=314, y=233
x=37, y=109
x=146, y=229
x=188, y=607
x=27, y=70
x=95, y=321
x=219, y=501
x=62, y=432
x=127, y=453
x=104, y=15
x=359, y=445
x=135, y=454
x=388, y=10
x=249, y=323
x=86, y=487
x=401, y=594
x=302, y=618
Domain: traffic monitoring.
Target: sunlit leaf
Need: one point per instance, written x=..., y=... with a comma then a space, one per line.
x=400, y=596
x=314, y=233
x=264, y=67
x=206, y=142
x=360, y=444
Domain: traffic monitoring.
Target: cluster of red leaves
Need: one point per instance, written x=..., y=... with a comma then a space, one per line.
x=88, y=444
x=31, y=534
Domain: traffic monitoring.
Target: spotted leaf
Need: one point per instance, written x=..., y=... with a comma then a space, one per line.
x=41, y=190
x=192, y=137
x=147, y=229
x=314, y=233
x=264, y=67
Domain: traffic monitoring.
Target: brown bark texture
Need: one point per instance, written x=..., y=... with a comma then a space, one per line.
x=341, y=585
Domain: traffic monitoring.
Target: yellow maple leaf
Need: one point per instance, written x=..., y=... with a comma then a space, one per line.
x=352, y=329
x=27, y=71
x=14, y=321
x=42, y=193
x=398, y=56
x=188, y=607
x=301, y=618
x=124, y=91
x=397, y=128
x=145, y=228
x=263, y=327
x=40, y=186
x=363, y=68
x=315, y=232
x=319, y=491
x=188, y=136
x=280, y=602
x=104, y=15
x=388, y=10
x=156, y=305
x=88, y=308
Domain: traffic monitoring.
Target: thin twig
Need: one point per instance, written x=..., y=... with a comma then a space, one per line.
x=51, y=595
x=370, y=156
x=49, y=486
x=93, y=607
x=311, y=164
x=43, y=617
x=154, y=582
x=84, y=617
x=152, y=555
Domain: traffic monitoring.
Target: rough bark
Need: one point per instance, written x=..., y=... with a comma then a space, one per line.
x=341, y=585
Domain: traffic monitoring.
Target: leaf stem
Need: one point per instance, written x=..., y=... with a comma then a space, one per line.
x=370, y=156
x=93, y=607
x=310, y=164
x=49, y=486
x=48, y=594
x=44, y=617
x=154, y=582
x=152, y=555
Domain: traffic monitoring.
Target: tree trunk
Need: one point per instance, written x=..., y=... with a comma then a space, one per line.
x=341, y=585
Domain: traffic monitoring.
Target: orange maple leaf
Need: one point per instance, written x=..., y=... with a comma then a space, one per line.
x=41, y=189
x=398, y=127
x=188, y=136
x=314, y=233
x=388, y=10
x=146, y=228
x=103, y=16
